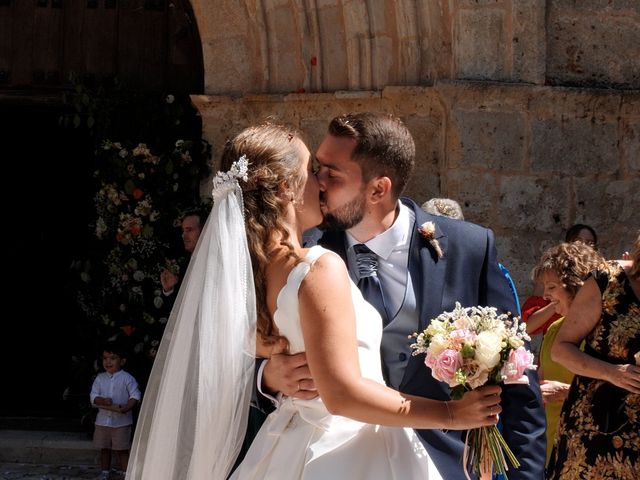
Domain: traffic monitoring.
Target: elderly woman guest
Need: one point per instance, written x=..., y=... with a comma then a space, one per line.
x=562, y=270
x=536, y=311
x=599, y=431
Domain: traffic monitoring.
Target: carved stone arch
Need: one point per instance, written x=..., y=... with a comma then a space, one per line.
x=281, y=46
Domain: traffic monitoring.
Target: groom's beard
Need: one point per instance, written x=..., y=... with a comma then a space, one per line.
x=346, y=216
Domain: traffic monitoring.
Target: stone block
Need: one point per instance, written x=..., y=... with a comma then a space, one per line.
x=490, y=139
x=474, y=191
x=613, y=202
x=594, y=50
x=479, y=3
x=618, y=6
x=528, y=41
x=574, y=146
x=428, y=134
x=232, y=73
x=313, y=130
x=528, y=203
x=611, y=207
x=519, y=256
x=435, y=25
x=480, y=45
x=287, y=67
x=382, y=60
x=631, y=146
x=425, y=183
x=422, y=101
x=335, y=68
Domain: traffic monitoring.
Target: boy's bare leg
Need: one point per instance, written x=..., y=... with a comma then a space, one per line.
x=105, y=459
x=123, y=458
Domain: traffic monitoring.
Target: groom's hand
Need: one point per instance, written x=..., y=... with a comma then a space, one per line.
x=288, y=374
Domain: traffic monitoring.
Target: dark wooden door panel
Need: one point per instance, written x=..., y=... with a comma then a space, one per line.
x=147, y=44
x=142, y=44
x=47, y=44
x=101, y=41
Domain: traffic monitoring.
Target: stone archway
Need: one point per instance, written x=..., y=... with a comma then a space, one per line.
x=260, y=46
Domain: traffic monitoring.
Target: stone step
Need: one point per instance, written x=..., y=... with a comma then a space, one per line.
x=47, y=447
x=45, y=423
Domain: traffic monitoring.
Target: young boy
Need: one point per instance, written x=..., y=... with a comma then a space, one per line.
x=115, y=393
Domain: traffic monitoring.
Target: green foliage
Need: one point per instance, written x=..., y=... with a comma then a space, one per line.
x=149, y=161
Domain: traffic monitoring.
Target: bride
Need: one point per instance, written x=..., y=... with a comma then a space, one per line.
x=251, y=284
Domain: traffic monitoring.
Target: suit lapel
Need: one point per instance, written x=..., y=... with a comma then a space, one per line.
x=427, y=270
x=428, y=277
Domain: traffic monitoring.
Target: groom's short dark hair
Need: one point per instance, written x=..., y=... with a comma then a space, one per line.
x=384, y=145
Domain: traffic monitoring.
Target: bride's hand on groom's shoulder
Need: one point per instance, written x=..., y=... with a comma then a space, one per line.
x=288, y=374
x=477, y=408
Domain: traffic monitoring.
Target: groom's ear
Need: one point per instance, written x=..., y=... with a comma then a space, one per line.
x=380, y=189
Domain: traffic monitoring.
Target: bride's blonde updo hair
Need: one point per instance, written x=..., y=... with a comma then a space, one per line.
x=275, y=179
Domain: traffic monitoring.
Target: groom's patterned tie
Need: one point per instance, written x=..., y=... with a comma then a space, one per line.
x=369, y=283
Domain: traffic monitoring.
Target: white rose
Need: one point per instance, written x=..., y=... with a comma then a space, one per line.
x=488, y=346
x=516, y=342
x=438, y=344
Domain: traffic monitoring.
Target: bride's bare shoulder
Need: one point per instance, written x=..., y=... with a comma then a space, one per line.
x=328, y=272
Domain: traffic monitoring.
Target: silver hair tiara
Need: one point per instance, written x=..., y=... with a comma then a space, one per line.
x=225, y=182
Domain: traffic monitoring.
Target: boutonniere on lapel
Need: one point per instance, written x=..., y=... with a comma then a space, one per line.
x=428, y=231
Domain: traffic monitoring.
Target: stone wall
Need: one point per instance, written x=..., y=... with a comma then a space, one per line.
x=525, y=111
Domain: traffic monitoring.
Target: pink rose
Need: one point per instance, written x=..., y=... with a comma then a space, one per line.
x=445, y=366
x=462, y=335
x=513, y=370
x=430, y=360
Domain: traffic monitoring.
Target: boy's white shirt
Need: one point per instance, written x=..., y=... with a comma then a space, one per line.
x=120, y=387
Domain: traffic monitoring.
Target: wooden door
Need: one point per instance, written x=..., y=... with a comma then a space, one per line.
x=147, y=44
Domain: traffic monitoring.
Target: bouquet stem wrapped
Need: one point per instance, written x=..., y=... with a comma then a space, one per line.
x=471, y=347
x=486, y=452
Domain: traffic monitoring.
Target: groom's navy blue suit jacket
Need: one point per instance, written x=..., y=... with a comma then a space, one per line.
x=467, y=273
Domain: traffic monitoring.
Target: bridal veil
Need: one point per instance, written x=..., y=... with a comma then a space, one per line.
x=195, y=409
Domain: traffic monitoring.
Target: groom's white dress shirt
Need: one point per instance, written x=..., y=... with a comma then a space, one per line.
x=392, y=249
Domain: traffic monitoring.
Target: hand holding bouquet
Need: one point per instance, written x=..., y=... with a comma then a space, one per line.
x=471, y=347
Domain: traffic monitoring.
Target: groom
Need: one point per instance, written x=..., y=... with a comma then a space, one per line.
x=364, y=163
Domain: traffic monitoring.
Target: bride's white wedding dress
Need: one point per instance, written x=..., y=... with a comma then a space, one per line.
x=302, y=440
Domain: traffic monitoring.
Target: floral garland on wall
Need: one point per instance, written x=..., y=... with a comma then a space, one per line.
x=141, y=194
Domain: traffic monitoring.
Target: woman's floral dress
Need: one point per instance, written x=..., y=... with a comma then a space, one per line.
x=599, y=432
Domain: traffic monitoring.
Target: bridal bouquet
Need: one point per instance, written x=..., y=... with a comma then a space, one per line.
x=471, y=347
